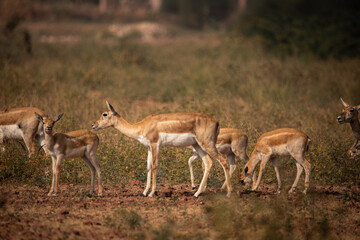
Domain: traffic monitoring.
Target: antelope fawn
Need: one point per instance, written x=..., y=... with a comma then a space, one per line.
x=280, y=142
x=81, y=143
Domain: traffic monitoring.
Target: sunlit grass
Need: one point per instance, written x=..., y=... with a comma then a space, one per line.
x=233, y=80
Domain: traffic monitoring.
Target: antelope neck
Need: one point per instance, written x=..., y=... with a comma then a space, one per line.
x=129, y=129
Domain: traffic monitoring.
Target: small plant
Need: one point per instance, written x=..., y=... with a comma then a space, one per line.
x=131, y=219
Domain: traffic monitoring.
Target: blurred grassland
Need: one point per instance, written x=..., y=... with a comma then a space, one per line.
x=232, y=79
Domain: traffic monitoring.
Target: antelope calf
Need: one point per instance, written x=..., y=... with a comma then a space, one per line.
x=280, y=142
x=174, y=129
x=230, y=142
x=349, y=115
x=21, y=124
x=81, y=143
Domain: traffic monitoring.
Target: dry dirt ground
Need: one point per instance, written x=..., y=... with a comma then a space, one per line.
x=27, y=213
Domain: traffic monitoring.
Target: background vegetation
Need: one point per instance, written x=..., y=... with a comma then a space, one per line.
x=304, y=28
x=74, y=66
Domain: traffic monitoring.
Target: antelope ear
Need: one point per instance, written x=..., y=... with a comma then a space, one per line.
x=38, y=117
x=59, y=117
x=111, y=108
x=357, y=107
x=246, y=169
x=344, y=103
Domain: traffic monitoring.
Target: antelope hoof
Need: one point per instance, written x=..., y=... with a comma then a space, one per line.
x=196, y=195
x=151, y=194
x=193, y=187
x=292, y=191
x=305, y=191
x=228, y=194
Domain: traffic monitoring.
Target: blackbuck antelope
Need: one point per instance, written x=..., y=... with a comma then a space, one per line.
x=230, y=142
x=21, y=124
x=175, y=129
x=349, y=114
x=81, y=143
x=280, y=142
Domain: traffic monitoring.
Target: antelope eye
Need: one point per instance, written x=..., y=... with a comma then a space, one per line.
x=105, y=114
x=351, y=110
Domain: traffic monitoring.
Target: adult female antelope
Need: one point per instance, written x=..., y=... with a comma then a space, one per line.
x=81, y=143
x=174, y=129
x=21, y=124
x=280, y=142
x=230, y=142
x=350, y=115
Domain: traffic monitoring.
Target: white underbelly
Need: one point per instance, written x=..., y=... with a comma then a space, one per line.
x=143, y=140
x=10, y=132
x=177, y=139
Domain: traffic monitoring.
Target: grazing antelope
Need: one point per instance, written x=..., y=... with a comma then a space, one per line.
x=231, y=143
x=81, y=143
x=21, y=124
x=174, y=129
x=350, y=115
x=280, y=142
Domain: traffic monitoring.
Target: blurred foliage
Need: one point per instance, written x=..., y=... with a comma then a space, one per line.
x=14, y=42
x=304, y=28
x=197, y=14
x=275, y=220
x=244, y=217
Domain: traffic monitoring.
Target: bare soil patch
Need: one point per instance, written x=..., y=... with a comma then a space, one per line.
x=27, y=213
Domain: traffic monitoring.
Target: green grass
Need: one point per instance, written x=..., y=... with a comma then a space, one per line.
x=233, y=80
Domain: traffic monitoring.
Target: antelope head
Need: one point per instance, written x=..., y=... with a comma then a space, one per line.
x=106, y=119
x=48, y=123
x=349, y=113
x=246, y=178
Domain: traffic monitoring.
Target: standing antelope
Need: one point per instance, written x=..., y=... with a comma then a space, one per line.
x=174, y=129
x=350, y=115
x=231, y=143
x=21, y=124
x=81, y=143
x=280, y=142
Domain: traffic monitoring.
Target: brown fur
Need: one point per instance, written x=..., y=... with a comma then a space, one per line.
x=349, y=114
x=80, y=143
x=202, y=126
x=232, y=143
x=25, y=119
x=280, y=142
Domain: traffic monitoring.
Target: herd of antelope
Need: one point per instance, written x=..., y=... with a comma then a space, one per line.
x=197, y=131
